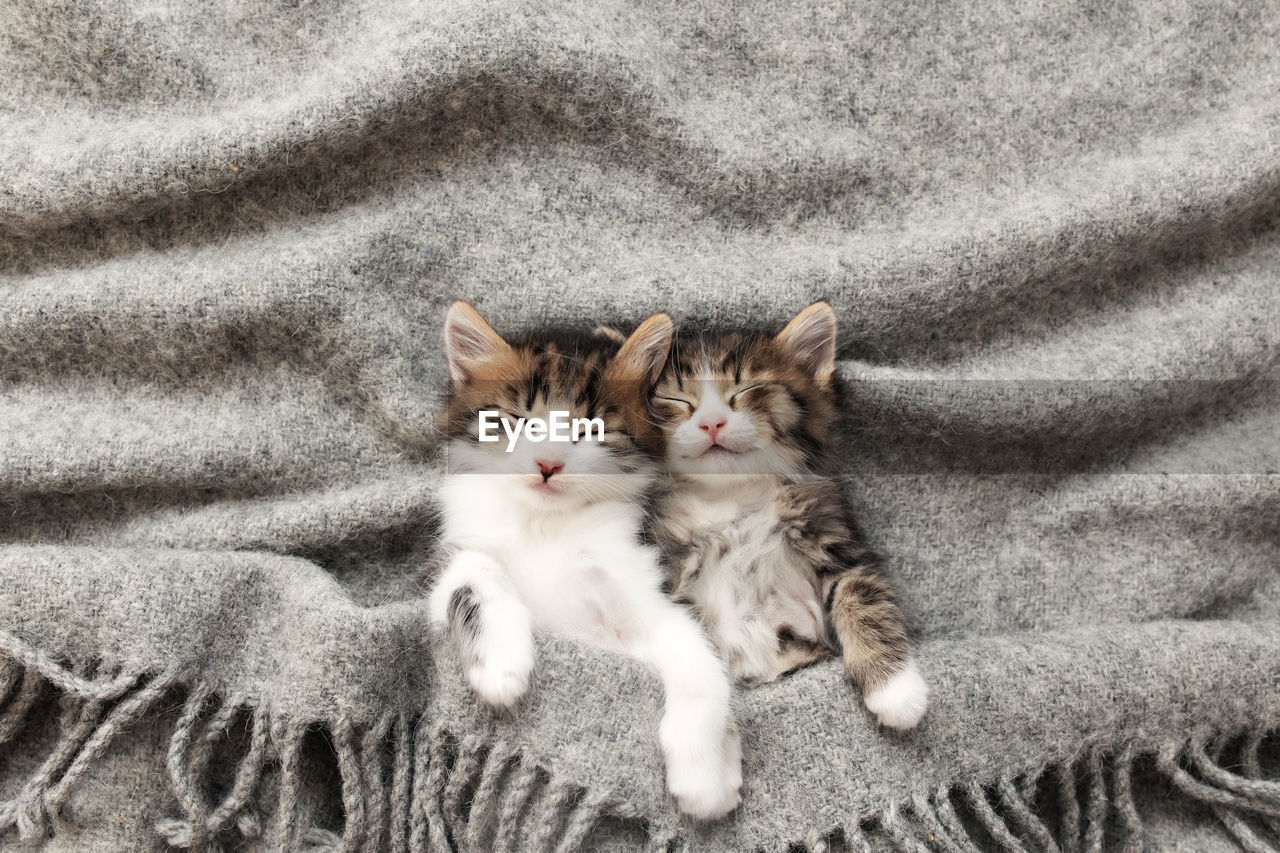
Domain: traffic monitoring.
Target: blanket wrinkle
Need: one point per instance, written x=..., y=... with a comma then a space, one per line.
x=228, y=235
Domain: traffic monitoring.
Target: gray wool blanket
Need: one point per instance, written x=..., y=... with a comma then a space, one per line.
x=228, y=234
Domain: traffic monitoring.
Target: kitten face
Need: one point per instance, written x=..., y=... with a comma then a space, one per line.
x=591, y=378
x=750, y=404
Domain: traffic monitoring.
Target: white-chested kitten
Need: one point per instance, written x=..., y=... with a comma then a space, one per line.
x=547, y=537
x=759, y=536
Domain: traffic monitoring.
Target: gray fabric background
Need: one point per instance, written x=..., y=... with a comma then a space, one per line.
x=228, y=233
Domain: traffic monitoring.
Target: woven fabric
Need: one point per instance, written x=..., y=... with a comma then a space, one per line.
x=228, y=235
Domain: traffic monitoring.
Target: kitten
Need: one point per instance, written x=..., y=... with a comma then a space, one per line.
x=547, y=537
x=758, y=539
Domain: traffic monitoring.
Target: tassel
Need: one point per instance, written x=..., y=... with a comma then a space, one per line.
x=946, y=813
x=353, y=829
x=519, y=792
x=482, y=801
x=1096, y=808
x=371, y=761
x=992, y=822
x=248, y=774
x=401, y=786
x=287, y=740
x=1021, y=811
x=1125, y=805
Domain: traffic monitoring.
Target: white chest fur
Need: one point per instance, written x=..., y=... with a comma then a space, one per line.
x=578, y=572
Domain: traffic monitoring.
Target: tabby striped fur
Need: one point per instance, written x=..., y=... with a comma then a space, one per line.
x=758, y=536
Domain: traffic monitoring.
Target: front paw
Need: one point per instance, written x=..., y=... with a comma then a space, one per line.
x=707, y=796
x=899, y=702
x=706, y=787
x=501, y=678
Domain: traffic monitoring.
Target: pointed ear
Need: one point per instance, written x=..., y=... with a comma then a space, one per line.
x=470, y=342
x=644, y=354
x=810, y=339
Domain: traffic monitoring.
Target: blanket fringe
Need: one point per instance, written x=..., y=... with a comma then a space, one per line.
x=94, y=707
x=1091, y=799
x=409, y=785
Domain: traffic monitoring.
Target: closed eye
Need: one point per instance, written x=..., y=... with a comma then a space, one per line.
x=675, y=402
x=736, y=394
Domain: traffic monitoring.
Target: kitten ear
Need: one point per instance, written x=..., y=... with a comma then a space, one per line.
x=470, y=342
x=644, y=354
x=810, y=339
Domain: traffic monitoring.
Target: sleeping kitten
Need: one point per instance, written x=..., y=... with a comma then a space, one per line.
x=757, y=538
x=547, y=537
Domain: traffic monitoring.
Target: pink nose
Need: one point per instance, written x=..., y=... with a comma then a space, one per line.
x=712, y=426
x=549, y=469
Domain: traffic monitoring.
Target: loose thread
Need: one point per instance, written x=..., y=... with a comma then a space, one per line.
x=1251, y=754
x=72, y=725
x=1251, y=759
x=1235, y=823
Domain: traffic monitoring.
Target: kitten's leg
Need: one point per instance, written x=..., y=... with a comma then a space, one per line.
x=491, y=626
x=699, y=741
x=868, y=623
x=872, y=631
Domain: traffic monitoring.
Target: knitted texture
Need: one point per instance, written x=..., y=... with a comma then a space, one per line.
x=228, y=234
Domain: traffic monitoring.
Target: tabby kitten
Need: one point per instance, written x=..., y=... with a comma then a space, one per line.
x=757, y=538
x=546, y=536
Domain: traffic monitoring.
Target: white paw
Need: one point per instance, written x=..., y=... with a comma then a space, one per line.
x=900, y=702
x=704, y=796
x=705, y=786
x=501, y=679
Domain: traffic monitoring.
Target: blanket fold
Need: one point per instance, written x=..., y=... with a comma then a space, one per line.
x=228, y=234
